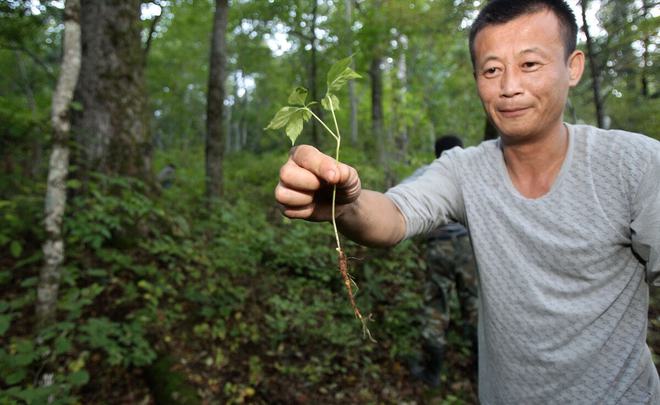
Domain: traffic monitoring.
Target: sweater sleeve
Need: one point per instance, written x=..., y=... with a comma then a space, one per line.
x=431, y=199
x=645, y=225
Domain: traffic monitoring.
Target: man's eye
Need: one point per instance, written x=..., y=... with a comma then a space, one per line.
x=490, y=71
x=530, y=65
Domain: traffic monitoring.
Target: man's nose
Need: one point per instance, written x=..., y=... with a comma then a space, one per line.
x=511, y=83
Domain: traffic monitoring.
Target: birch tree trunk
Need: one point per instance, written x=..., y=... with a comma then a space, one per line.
x=595, y=76
x=215, y=128
x=55, y=204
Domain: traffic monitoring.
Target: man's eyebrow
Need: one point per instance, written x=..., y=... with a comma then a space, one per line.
x=535, y=50
x=526, y=51
x=488, y=59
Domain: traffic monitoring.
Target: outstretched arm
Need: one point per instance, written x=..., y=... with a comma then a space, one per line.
x=305, y=190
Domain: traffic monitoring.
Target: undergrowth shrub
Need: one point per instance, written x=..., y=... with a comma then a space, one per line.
x=250, y=292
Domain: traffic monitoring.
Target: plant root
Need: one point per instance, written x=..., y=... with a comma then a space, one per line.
x=349, y=283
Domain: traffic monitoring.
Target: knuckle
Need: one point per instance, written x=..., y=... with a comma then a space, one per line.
x=280, y=193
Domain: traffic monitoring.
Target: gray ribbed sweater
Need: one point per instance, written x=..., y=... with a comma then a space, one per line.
x=563, y=297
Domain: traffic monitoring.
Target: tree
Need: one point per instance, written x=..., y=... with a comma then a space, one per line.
x=351, y=86
x=55, y=205
x=27, y=63
x=593, y=68
x=215, y=129
x=111, y=127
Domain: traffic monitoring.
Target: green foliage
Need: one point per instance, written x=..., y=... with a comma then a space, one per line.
x=293, y=117
x=123, y=343
x=338, y=75
x=252, y=300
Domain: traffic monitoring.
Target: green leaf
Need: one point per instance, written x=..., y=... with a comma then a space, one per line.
x=281, y=118
x=16, y=249
x=62, y=344
x=29, y=282
x=15, y=377
x=326, y=102
x=5, y=322
x=294, y=127
x=339, y=74
x=298, y=96
x=74, y=184
x=337, y=69
x=79, y=378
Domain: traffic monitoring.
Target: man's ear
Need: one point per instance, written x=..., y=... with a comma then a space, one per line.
x=575, y=67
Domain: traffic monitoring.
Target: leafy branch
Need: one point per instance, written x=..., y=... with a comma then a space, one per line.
x=292, y=118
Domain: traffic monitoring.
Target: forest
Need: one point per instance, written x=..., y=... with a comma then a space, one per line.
x=143, y=258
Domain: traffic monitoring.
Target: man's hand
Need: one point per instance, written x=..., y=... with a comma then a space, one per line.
x=306, y=182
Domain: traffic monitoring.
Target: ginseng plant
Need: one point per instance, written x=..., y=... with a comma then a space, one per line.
x=292, y=118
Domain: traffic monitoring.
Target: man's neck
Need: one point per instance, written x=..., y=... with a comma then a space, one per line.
x=534, y=164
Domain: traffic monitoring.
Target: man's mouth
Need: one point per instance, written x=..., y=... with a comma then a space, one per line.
x=512, y=112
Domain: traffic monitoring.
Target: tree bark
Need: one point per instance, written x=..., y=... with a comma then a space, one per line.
x=112, y=127
x=215, y=128
x=401, y=127
x=55, y=202
x=646, y=55
x=593, y=65
x=377, y=120
x=376, y=75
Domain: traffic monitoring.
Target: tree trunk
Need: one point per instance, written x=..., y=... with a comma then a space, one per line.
x=595, y=77
x=646, y=55
x=34, y=161
x=215, y=129
x=55, y=203
x=377, y=120
x=351, y=85
x=376, y=75
x=401, y=127
x=313, y=73
x=112, y=127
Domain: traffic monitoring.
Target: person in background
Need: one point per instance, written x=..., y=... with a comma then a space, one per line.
x=450, y=268
x=167, y=175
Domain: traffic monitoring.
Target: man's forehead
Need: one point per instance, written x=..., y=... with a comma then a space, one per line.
x=528, y=33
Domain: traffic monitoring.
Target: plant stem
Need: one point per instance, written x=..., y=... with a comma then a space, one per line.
x=322, y=123
x=337, y=137
x=343, y=265
x=334, y=189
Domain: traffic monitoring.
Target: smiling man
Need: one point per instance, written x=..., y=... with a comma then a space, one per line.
x=564, y=220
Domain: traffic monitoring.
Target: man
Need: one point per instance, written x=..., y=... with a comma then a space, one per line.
x=450, y=267
x=167, y=176
x=564, y=220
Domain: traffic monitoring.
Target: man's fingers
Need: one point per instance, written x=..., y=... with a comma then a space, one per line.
x=298, y=178
x=321, y=165
x=299, y=213
x=292, y=198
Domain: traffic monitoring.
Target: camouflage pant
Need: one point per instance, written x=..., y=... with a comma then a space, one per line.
x=451, y=269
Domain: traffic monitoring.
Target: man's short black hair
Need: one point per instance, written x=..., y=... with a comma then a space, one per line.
x=445, y=143
x=502, y=11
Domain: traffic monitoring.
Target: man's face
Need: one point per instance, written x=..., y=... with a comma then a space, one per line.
x=523, y=76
